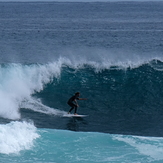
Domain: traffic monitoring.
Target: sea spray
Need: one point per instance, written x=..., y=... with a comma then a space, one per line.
x=19, y=82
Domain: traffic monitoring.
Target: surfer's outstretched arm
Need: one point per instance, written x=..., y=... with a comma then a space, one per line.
x=82, y=99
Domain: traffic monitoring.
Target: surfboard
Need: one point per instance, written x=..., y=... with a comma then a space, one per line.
x=72, y=115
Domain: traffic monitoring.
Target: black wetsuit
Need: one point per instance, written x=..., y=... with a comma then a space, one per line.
x=72, y=104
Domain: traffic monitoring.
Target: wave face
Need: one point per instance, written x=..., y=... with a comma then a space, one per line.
x=121, y=100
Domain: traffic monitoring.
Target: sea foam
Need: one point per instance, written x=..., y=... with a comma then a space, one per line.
x=17, y=136
x=19, y=82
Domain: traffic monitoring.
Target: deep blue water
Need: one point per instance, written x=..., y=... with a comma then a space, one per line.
x=110, y=52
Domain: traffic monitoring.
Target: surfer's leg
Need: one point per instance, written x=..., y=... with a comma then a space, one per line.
x=71, y=109
x=75, y=110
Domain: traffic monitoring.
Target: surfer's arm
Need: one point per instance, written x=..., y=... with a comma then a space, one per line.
x=82, y=99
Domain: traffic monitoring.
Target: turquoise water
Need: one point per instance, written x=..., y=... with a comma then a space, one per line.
x=30, y=144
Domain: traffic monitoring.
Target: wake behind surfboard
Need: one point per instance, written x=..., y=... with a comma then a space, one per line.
x=73, y=115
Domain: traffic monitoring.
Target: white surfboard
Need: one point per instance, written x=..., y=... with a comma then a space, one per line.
x=73, y=115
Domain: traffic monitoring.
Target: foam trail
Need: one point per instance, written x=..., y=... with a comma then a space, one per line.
x=17, y=136
x=37, y=106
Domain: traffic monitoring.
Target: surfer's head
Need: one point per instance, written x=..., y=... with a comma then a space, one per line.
x=77, y=94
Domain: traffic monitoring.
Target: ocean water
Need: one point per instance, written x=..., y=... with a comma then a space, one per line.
x=109, y=51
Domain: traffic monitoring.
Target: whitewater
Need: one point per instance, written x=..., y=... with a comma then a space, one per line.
x=111, y=52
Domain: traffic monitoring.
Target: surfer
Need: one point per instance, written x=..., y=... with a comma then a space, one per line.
x=73, y=102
